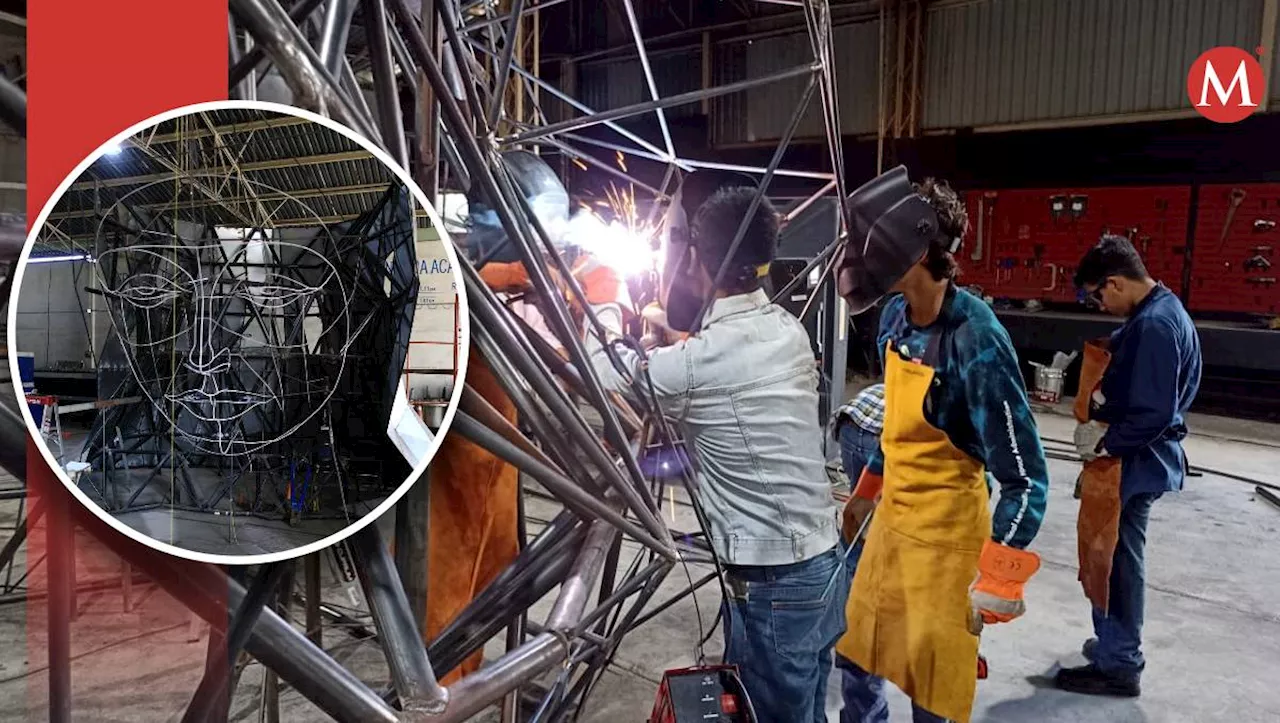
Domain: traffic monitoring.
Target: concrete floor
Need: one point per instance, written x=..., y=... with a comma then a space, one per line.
x=1212, y=635
x=225, y=531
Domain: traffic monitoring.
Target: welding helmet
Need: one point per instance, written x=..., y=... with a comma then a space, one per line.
x=678, y=288
x=893, y=228
x=539, y=185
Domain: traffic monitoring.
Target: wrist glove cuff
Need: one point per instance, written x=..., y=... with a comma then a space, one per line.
x=869, y=485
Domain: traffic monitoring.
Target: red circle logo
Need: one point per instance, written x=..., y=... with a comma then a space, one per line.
x=1225, y=84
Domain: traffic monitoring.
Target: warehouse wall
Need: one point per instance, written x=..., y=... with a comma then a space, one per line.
x=1018, y=61
x=615, y=83
x=985, y=64
x=763, y=113
x=51, y=322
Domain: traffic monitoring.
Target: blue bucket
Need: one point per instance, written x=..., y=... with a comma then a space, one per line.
x=37, y=412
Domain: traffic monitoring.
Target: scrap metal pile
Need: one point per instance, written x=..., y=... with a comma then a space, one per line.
x=600, y=478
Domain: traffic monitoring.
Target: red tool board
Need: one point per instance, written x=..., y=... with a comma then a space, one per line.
x=1235, y=264
x=1025, y=244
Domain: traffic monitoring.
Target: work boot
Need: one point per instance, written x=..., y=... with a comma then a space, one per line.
x=1090, y=649
x=1089, y=680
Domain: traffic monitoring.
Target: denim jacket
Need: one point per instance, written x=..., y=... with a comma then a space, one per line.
x=745, y=391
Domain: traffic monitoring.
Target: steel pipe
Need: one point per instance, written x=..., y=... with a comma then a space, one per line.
x=563, y=488
x=668, y=102
x=411, y=672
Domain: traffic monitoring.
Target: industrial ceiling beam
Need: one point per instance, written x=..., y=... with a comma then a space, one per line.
x=187, y=176
x=317, y=160
x=234, y=128
x=264, y=197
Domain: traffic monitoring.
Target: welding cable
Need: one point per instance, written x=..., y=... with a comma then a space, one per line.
x=1073, y=457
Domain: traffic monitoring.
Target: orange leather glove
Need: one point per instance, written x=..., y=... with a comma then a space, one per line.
x=505, y=278
x=860, y=505
x=996, y=595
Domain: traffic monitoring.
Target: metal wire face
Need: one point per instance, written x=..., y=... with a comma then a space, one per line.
x=214, y=333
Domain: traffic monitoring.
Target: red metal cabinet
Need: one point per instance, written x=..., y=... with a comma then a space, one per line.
x=1237, y=272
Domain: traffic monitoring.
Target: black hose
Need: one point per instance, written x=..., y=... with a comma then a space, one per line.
x=1073, y=457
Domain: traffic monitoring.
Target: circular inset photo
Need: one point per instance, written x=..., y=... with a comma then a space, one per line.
x=239, y=332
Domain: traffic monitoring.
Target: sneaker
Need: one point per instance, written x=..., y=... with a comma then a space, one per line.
x=1088, y=680
x=1090, y=649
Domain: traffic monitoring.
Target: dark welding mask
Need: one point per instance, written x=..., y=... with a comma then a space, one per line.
x=540, y=186
x=680, y=286
x=893, y=227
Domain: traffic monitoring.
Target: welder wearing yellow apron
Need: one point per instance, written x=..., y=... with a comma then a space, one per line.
x=936, y=563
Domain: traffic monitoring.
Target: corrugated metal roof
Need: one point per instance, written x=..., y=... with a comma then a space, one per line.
x=302, y=173
x=763, y=113
x=995, y=62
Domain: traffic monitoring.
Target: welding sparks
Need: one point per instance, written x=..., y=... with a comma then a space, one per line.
x=622, y=162
x=624, y=242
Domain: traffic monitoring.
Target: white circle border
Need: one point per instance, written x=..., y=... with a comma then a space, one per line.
x=463, y=331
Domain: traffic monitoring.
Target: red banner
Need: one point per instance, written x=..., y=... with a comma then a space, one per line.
x=97, y=68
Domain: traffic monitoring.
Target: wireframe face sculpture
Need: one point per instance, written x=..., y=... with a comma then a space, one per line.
x=236, y=342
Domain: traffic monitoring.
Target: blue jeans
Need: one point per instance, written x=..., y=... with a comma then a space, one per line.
x=781, y=623
x=1119, y=629
x=856, y=447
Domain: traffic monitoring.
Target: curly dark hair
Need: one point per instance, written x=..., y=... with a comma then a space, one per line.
x=715, y=225
x=953, y=222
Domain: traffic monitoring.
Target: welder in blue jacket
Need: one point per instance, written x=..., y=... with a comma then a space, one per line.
x=1130, y=437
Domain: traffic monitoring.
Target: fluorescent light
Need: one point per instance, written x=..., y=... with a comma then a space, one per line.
x=53, y=259
x=113, y=149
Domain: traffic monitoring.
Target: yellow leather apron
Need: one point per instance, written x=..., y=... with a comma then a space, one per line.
x=908, y=609
x=1098, y=526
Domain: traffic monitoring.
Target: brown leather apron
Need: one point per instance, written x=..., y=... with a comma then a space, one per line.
x=1098, y=526
x=472, y=535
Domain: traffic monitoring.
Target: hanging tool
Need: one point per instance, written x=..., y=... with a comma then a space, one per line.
x=1260, y=250
x=990, y=198
x=1057, y=207
x=1144, y=242
x=1079, y=205
x=1263, y=225
x=1053, y=278
x=1237, y=198
x=1257, y=262
x=1261, y=280
x=979, y=246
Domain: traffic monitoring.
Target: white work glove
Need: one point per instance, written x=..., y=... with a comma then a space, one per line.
x=1088, y=439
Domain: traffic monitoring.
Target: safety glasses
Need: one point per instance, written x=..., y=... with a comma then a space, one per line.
x=1094, y=298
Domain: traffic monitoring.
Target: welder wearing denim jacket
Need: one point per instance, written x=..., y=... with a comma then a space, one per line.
x=744, y=390
x=1130, y=438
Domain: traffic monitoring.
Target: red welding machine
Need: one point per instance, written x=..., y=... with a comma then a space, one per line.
x=711, y=694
